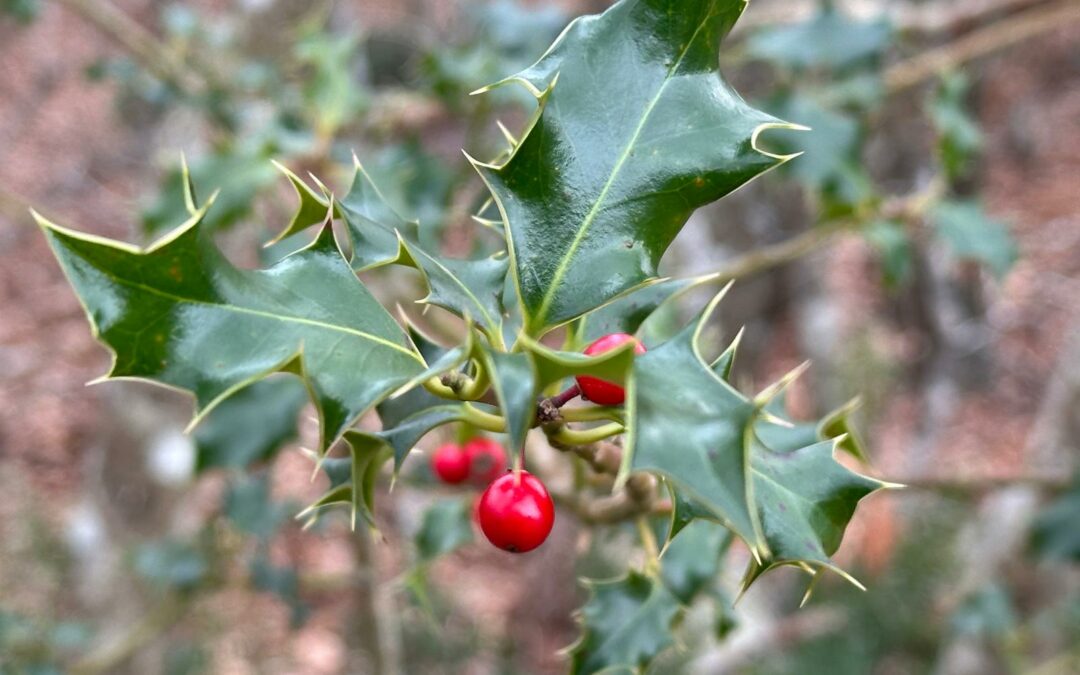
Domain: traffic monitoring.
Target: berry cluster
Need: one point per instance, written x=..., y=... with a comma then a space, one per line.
x=516, y=512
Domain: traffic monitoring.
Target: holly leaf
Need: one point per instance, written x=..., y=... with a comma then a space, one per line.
x=592, y=199
x=973, y=235
x=625, y=623
x=180, y=314
x=447, y=526
x=250, y=426
x=684, y=511
x=690, y=426
x=805, y=499
x=690, y=562
x=553, y=365
x=379, y=236
x=513, y=378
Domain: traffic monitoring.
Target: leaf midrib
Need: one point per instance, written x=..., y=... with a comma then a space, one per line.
x=564, y=263
x=266, y=315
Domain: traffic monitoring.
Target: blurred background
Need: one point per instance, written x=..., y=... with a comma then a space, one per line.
x=937, y=207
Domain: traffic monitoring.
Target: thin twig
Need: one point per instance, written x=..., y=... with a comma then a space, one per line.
x=998, y=35
x=143, y=46
x=111, y=655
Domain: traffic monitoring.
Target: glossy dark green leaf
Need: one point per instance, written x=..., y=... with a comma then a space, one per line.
x=180, y=314
x=688, y=425
x=553, y=365
x=806, y=500
x=447, y=526
x=468, y=288
x=685, y=511
x=379, y=236
x=973, y=235
x=404, y=436
x=829, y=40
x=691, y=561
x=594, y=194
x=251, y=425
x=625, y=623
x=514, y=379
x=724, y=363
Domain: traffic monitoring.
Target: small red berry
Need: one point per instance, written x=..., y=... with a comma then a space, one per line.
x=450, y=463
x=516, y=512
x=487, y=458
x=600, y=391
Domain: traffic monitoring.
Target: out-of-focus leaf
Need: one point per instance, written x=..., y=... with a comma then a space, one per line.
x=251, y=425
x=447, y=525
x=894, y=249
x=959, y=137
x=625, y=624
x=180, y=314
x=1056, y=532
x=249, y=507
x=987, y=612
x=973, y=235
x=830, y=164
x=332, y=90
x=828, y=40
x=591, y=199
x=283, y=582
x=172, y=563
x=23, y=11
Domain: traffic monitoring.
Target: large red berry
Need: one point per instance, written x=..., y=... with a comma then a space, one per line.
x=516, y=512
x=487, y=459
x=450, y=463
x=600, y=391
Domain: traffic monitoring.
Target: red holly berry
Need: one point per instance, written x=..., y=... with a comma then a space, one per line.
x=516, y=512
x=450, y=463
x=487, y=458
x=600, y=391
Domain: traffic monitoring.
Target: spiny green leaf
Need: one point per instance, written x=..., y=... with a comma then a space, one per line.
x=468, y=288
x=805, y=499
x=628, y=312
x=691, y=561
x=626, y=623
x=379, y=236
x=447, y=525
x=180, y=314
x=239, y=173
x=974, y=235
x=514, y=379
x=684, y=511
x=689, y=425
x=591, y=198
x=553, y=366
x=251, y=425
